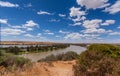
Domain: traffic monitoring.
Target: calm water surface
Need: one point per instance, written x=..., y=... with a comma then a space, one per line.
x=37, y=56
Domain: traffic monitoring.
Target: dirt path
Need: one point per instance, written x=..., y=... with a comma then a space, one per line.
x=59, y=68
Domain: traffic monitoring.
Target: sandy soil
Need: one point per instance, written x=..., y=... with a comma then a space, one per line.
x=58, y=68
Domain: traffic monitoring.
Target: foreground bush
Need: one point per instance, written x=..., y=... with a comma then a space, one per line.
x=64, y=57
x=12, y=62
x=99, y=60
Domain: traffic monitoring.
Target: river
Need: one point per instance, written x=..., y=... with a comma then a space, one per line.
x=37, y=56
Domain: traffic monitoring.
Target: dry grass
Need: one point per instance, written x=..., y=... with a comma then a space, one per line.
x=57, y=68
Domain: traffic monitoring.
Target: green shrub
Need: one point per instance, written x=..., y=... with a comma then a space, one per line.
x=64, y=57
x=12, y=62
x=2, y=52
x=99, y=60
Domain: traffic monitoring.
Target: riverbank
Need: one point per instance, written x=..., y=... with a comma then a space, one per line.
x=17, y=50
x=56, y=68
x=34, y=57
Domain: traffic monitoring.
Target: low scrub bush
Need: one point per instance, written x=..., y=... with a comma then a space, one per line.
x=12, y=62
x=99, y=60
x=63, y=57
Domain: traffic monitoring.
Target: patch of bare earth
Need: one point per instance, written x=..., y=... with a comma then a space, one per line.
x=57, y=68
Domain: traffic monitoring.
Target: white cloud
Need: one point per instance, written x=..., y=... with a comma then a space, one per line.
x=91, y=36
x=30, y=23
x=93, y=26
x=62, y=15
x=108, y=22
x=73, y=36
x=115, y=8
x=63, y=32
x=48, y=32
x=94, y=4
x=92, y=23
x=96, y=23
x=94, y=30
x=118, y=27
x=57, y=36
x=16, y=27
x=3, y=21
x=29, y=29
x=54, y=20
x=78, y=36
x=8, y=4
x=28, y=35
x=76, y=12
x=10, y=31
x=39, y=35
x=44, y=13
x=77, y=23
x=114, y=33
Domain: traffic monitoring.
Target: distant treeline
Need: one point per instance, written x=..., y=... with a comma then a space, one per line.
x=37, y=48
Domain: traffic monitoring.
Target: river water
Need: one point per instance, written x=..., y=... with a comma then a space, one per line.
x=37, y=56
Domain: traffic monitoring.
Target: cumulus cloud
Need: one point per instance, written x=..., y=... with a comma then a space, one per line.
x=10, y=31
x=44, y=13
x=30, y=23
x=3, y=21
x=115, y=8
x=95, y=23
x=93, y=26
x=94, y=30
x=76, y=35
x=73, y=36
x=108, y=22
x=94, y=4
x=76, y=14
x=8, y=4
x=29, y=29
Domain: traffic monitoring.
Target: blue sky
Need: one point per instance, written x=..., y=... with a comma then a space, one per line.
x=78, y=21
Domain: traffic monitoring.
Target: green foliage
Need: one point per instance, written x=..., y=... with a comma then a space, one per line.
x=64, y=57
x=15, y=50
x=46, y=48
x=2, y=52
x=99, y=60
x=34, y=49
x=12, y=62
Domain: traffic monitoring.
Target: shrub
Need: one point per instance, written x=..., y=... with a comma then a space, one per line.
x=2, y=52
x=64, y=57
x=12, y=62
x=99, y=60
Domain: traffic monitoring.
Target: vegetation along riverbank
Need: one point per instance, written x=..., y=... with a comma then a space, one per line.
x=34, y=49
x=97, y=60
